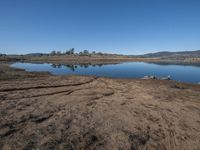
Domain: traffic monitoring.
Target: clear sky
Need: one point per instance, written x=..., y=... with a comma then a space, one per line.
x=113, y=26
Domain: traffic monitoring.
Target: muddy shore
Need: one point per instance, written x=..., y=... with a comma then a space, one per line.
x=42, y=111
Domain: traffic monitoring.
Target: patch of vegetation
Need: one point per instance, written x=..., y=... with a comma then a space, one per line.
x=71, y=51
x=178, y=86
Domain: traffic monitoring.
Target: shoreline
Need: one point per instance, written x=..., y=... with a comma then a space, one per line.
x=74, y=66
x=99, y=59
x=43, y=111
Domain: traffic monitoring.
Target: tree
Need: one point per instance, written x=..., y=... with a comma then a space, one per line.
x=86, y=52
x=53, y=52
x=58, y=52
x=70, y=51
x=100, y=53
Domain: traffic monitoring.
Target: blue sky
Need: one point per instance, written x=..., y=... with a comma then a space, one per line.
x=113, y=26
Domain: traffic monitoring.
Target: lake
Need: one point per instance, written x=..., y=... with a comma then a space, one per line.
x=183, y=73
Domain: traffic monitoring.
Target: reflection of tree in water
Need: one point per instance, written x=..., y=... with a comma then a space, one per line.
x=74, y=67
x=84, y=65
x=71, y=67
x=56, y=65
x=100, y=65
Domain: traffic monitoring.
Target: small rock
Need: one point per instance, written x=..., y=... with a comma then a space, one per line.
x=183, y=138
x=149, y=77
x=166, y=78
x=152, y=77
x=146, y=77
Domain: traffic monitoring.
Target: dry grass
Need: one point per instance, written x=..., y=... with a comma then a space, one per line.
x=40, y=111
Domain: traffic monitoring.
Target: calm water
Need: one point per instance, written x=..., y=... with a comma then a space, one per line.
x=124, y=70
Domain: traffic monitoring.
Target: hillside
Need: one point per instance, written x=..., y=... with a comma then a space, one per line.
x=179, y=55
x=99, y=58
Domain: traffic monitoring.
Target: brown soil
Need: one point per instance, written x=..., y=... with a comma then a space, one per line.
x=93, y=59
x=40, y=111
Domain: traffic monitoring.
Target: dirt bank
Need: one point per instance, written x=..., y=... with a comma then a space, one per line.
x=40, y=111
x=93, y=59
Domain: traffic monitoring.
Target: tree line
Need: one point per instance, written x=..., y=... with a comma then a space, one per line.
x=71, y=51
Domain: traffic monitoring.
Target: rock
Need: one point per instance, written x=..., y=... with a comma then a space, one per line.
x=149, y=77
x=146, y=77
x=152, y=77
x=166, y=78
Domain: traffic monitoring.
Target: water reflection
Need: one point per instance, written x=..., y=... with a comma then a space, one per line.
x=185, y=73
x=197, y=64
x=56, y=65
x=74, y=67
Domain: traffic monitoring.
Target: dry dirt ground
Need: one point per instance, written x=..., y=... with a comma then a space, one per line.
x=78, y=112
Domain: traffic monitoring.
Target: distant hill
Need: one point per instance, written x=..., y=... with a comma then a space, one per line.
x=163, y=56
x=174, y=55
x=166, y=53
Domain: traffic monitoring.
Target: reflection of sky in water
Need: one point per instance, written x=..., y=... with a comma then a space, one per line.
x=124, y=70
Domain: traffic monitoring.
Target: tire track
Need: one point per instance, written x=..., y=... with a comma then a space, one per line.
x=50, y=86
